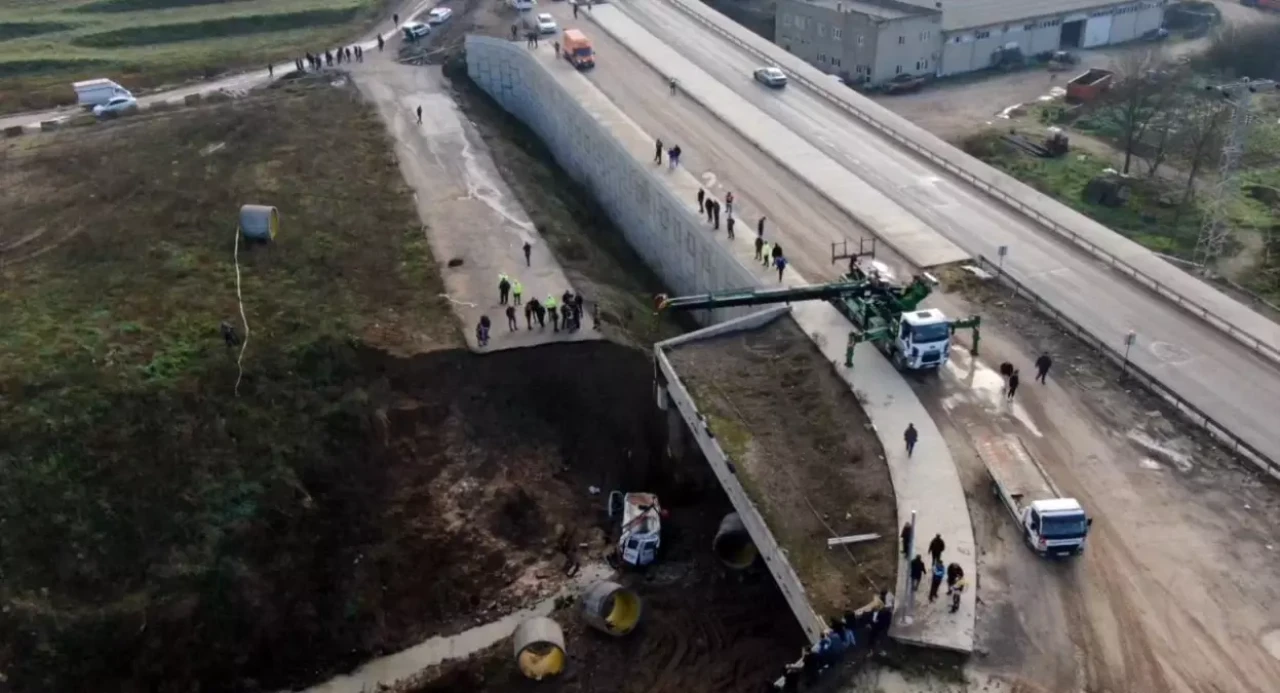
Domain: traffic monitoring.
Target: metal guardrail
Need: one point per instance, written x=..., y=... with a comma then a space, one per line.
x=1259, y=347
x=1110, y=349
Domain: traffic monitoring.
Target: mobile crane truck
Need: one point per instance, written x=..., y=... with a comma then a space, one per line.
x=1051, y=524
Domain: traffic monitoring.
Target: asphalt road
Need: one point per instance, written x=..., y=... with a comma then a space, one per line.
x=1208, y=368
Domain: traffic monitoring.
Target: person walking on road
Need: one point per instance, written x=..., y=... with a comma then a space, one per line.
x=728, y=203
x=514, y=31
x=516, y=290
x=539, y=312
x=1013, y=385
x=1042, y=367
x=766, y=255
x=760, y=227
x=759, y=247
x=528, y=314
x=728, y=225
x=672, y=82
x=504, y=289
x=781, y=263
x=550, y=305
x=911, y=436
x=482, y=331
x=395, y=20
x=954, y=574
x=528, y=250
x=706, y=208
x=419, y=115
x=702, y=195
x=917, y=572
x=380, y=43
x=936, y=547
x=938, y=573
x=715, y=210
x=906, y=539
x=511, y=319
x=578, y=301
x=956, y=592
x=657, y=152
x=673, y=157
x=575, y=9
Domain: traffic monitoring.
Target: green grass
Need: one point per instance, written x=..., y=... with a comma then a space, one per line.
x=136, y=485
x=147, y=43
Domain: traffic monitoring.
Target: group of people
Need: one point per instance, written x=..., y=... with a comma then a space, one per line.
x=673, y=154
x=844, y=636
x=330, y=58
x=565, y=312
x=953, y=573
x=1012, y=377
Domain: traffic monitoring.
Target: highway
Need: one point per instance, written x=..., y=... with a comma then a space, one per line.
x=1208, y=368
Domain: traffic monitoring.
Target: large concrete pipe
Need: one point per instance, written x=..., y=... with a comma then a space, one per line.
x=539, y=648
x=611, y=608
x=733, y=545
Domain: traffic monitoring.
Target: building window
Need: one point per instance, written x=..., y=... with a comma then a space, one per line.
x=859, y=39
x=837, y=33
x=822, y=29
x=982, y=34
x=917, y=64
x=897, y=69
x=786, y=20
x=957, y=39
x=902, y=40
x=835, y=61
x=822, y=58
x=1029, y=27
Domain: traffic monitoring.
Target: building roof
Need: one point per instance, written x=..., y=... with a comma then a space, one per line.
x=879, y=9
x=971, y=14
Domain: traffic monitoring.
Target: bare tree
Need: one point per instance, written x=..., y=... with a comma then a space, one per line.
x=1203, y=122
x=1144, y=88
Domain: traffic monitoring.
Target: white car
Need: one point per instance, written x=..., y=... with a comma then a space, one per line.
x=771, y=77
x=415, y=30
x=116, y=105
x=439, y=15
x=547, y=24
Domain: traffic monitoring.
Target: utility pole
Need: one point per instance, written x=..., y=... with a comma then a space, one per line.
x=1214, y=230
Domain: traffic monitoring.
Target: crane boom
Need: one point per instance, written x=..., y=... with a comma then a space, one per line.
x=755, y=297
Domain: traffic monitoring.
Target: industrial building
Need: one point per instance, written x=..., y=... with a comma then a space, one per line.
x=877, y=40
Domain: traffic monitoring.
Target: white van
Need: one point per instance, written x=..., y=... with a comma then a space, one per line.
x=95, y=92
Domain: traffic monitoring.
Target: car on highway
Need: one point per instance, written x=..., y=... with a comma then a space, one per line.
x=116, y=105
x=415, y=30
x=771, y=77
x=547, y=24
x=439, y=15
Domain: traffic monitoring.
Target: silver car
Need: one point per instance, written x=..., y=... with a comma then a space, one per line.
x=771, y=77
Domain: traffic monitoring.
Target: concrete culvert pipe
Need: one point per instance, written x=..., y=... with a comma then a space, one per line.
x=611, y=608
x=539, y=648
x=733, y=545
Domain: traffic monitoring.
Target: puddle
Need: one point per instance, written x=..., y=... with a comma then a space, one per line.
x=984, y=387
x=385, y=671
x=1162, y=453
x=1148, y=463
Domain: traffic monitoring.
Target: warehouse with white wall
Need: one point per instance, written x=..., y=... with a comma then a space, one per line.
x=878, y=40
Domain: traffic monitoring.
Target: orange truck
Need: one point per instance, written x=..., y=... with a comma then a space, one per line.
x=577, y=49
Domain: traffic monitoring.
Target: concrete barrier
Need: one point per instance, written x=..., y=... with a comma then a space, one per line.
x=14, y=131
x=50, y=125
x=663, y=230
x=191, y=99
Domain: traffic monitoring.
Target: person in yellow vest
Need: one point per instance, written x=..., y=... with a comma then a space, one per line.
x=516, y=289
x=550, y=305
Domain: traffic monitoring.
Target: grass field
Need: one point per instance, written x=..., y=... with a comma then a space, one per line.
x=150, y=515
x=144, y=43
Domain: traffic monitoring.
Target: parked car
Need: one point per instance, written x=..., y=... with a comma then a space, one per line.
x=116, y=105
x=771, y=77
x=905, y=84
x=415, y=30
x=547, y=24
x=439, y=15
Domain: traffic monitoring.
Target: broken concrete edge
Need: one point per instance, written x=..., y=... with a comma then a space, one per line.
x=676, y=393
x=1053, y=216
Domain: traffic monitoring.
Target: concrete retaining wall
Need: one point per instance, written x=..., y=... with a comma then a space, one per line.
x=665, y=232
x=672, y=392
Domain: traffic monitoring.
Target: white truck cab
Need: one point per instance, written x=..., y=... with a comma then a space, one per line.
x=923, y=340
x=1051, y=525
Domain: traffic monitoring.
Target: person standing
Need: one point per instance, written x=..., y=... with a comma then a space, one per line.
x=575, y=9
x=911, y=436
x=380, y=43
x=657, y=152
x=578, y=301
x=550, y=305
x=936, y=547
x=917, y=572
x=504, y=289
x=674, y=155
x=715, y=211
x=702, y=195
x=271, y=70
x=766, y=254
x=1013, y=384
x=511, y=319
x=1042, y=367
x=528, y=251
x=956, y=592
x=781, y=263
x=938, y=573
x=954, y=574
x=528, y=314
x=728, y=203
x=728, y=225
x=516, y=290
x=419, y=115
x=395, y=20
x=482, y=331
x=539, y=312
x=906, y=539
x=760, y=227
x=759, y=247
